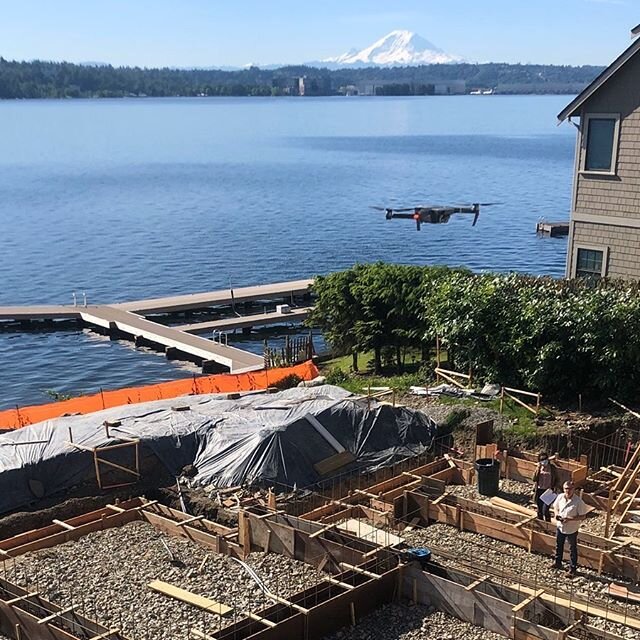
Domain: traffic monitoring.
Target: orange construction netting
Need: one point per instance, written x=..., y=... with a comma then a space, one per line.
x=222, y=383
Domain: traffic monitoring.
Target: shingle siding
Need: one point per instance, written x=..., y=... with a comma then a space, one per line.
x=617, y=195
x=622, y=244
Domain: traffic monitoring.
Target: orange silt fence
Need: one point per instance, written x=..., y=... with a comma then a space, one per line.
x=222, y=383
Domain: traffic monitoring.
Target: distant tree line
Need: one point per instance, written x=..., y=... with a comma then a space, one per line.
x=559, y=337
x=40, y=79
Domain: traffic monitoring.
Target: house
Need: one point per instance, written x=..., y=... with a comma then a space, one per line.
x=604, y=233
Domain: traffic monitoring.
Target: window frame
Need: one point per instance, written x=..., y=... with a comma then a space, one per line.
x=589, y=247
x=614, y=147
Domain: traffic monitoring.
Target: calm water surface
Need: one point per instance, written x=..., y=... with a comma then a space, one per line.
x=128, y=199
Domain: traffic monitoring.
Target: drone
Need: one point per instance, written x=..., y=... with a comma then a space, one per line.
x=433, y=214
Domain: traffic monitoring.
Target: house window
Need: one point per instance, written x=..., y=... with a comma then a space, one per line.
x=601, y=143
x=589, y=263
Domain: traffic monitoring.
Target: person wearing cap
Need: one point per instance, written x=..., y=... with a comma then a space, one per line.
x=544, y=477
x=570, y=510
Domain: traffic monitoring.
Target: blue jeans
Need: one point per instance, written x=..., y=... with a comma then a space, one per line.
x=573, y=548
x=543, y=508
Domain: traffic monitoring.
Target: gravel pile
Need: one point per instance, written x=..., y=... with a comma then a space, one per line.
x=483, y=552
x=107, y=573
x=512, y=490
x=396, y=622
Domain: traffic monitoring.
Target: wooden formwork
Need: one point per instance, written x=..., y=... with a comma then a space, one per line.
x=418, y=497
x=26, y=614
x=522, y=465
x=506, y=609
x=361, y=575
x=595, y=552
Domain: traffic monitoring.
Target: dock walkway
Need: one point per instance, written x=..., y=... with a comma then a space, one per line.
x=237, y=360
x=217, y=298
x=243, y=322
x=129, y=318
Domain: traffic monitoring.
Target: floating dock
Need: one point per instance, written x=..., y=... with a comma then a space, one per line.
x=128, y=318
x=552, y=229
x=172, y=304
x=245, y=322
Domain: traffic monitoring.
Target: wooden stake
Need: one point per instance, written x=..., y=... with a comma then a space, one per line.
x=352, y=608
x=607, y=522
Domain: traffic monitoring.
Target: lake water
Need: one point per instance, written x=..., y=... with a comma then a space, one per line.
x=127, y=199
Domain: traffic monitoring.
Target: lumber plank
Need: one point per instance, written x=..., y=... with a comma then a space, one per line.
x=517, y=525
x=64, y=525
x=336, y=461
x=26, y=596
x=476, y=583
x=319, y=532
x=511, y=506
x=364, y=572
x=190, y=520
x=57, y=614
x=190, y=598
x=528, y=601
x=411, y=526
x=257, y=618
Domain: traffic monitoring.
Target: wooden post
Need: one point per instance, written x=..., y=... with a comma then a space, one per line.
x=538, y=403
x=580, y=403
x=501, y=399
x=352, y=608
x=97, y=466
x=70, y=434
x=415, y=591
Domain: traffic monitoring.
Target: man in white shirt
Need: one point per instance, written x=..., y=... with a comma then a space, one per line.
x=569, y=510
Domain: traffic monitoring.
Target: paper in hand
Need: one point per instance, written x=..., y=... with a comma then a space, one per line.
x=548, y=497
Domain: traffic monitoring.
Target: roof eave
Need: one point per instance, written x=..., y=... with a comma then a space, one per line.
x=574, y=107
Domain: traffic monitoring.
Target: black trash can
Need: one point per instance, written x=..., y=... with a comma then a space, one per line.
x=488, y=473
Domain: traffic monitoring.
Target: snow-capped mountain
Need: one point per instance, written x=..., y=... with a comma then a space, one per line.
x=396, y=48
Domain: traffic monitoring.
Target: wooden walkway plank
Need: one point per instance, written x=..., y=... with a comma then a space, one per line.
x=190, y=598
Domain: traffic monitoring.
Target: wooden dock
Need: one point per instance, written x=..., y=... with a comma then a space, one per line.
x=552, y=229
x=129, y=318
x=278, y=290
x=245, y=322
x=141, y=330
x=40, y=312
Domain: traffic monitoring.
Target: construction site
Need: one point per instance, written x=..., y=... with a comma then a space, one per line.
x=308, y=512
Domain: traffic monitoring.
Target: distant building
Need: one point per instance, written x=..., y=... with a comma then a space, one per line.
x=604, y=233
x=450, y=88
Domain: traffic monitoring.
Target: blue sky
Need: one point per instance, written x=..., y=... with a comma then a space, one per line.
x=226, y=32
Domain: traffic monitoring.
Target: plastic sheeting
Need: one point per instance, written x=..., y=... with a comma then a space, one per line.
x=258, y=438
x=225, y=382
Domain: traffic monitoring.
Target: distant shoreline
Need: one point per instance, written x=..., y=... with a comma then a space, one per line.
x=62, y=80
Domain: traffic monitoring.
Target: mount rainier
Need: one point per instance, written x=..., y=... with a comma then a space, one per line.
x=398, y=48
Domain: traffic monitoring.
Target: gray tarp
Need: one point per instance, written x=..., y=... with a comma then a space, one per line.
x=256, y=438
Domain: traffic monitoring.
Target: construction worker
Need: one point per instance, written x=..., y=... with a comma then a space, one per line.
x=544, y=477
x=569, y=510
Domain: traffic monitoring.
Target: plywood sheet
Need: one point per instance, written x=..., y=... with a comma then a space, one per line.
x=368, y=532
